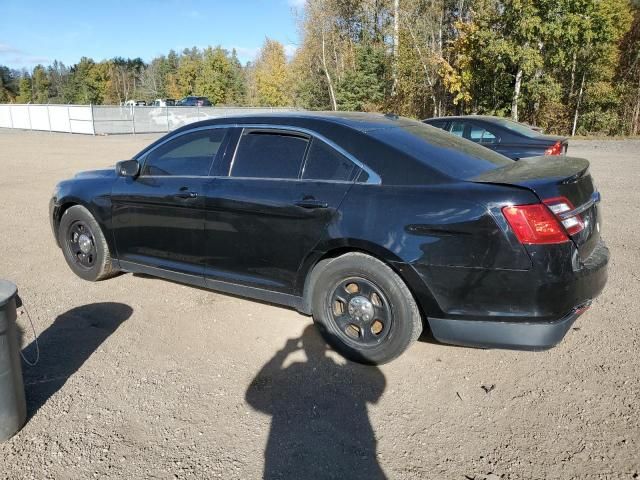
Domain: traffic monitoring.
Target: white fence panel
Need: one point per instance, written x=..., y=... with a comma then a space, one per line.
x=39, y=117
x=20, y=116
x=59, y=115
x=5, y=116
x=81, y=119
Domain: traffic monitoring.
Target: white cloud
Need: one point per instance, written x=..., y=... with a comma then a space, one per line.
x=15, y=57
x=297, y=3
x=8, y=49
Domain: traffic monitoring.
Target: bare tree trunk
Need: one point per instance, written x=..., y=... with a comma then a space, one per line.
x=573, y=74
x=425, y=68
x=516, y=95
x=575, y=116
x=396, y=44
x=332, y=95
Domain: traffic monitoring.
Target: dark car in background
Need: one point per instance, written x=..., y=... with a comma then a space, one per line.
x=512, y=139
x=375, y=225
x=192, y=101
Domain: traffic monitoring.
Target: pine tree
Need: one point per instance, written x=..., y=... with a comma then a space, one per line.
x=25, y=94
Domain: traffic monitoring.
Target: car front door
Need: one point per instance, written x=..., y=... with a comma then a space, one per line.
x=158, y=217
x=276, y=197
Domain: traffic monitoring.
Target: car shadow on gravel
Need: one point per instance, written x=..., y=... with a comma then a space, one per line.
x=320, y=427
x=64, y=347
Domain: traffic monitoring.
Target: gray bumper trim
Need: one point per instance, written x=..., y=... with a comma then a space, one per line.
x=509, y=335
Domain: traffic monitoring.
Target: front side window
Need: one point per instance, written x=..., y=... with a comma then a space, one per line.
x=190, y=154
x=325, y=163
x=263, y=154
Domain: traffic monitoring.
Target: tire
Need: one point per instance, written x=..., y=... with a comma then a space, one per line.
x=372, y=322
x=83, y=244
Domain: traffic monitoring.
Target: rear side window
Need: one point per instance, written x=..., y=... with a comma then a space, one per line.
x=190, y=154
x=269, y=155
x=325, y=163
x=481, y=135
x=456, y=157
x=457, y=128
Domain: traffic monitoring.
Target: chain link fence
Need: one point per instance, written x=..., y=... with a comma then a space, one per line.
x=107, y=119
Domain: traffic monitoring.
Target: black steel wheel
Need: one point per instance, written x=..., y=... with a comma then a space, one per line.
x=360, y=311
x=83, y=244
x=363, y=308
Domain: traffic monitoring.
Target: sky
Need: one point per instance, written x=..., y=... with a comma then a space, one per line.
x=39, y=31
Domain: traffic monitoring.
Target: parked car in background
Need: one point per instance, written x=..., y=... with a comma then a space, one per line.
x=163, y=102
x=135, y=103
x=192, y=101
x=376, y=225
x=512, y=139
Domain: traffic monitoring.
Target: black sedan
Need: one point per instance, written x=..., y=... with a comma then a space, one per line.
x=376, y=225
x=512, y=139
x=192, y=101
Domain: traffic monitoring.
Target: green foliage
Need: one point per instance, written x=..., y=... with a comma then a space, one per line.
x=8, y=85
x=364, y=87
x=213, y=72
x=24, y=93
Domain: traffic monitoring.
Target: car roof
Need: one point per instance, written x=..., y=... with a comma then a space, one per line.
x=486, y=118
x=360, y=121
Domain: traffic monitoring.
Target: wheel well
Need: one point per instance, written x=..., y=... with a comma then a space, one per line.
x=57, y=215
x=337, y=252
x=63, y=208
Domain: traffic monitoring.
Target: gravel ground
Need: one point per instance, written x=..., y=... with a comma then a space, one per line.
x=144, y=378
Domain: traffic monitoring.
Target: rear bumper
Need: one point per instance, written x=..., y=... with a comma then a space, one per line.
x=511, y=335
x=529, y=310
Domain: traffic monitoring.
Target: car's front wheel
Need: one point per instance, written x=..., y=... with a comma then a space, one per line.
x=364, y=309
x=84, y=246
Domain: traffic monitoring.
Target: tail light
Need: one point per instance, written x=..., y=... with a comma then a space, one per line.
x=560, y=206
x=535, y=224
x=555, y=149
x=543, y=223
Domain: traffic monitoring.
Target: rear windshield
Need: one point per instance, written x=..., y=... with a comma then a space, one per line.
x=516, y=127
x=447, y=153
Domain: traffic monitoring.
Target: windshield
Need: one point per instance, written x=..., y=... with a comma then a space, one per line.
x=451, y=155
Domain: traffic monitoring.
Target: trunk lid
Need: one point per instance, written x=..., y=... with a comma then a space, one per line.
x=551, y=177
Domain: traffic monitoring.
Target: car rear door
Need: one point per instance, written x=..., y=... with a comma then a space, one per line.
x=276, y=195
x=158, y=217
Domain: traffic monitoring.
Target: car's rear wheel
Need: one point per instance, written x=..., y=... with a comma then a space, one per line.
x=364, y=309
x=84, y=246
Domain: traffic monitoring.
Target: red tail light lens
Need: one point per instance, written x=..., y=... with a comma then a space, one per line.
x=555, y=149
x=535, y=224
x=559, y=205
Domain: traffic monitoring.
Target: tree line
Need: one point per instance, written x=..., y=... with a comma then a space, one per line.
x=568, y=66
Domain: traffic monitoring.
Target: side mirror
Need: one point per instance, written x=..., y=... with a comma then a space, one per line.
x=128, y=168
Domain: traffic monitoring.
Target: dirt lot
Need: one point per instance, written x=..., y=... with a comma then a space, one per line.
x=144, y=378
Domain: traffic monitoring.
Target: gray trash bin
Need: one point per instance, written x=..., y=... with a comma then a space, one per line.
x=13, y=408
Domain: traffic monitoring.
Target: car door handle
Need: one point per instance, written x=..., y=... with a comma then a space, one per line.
x=186, y=195
x=311, y=204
